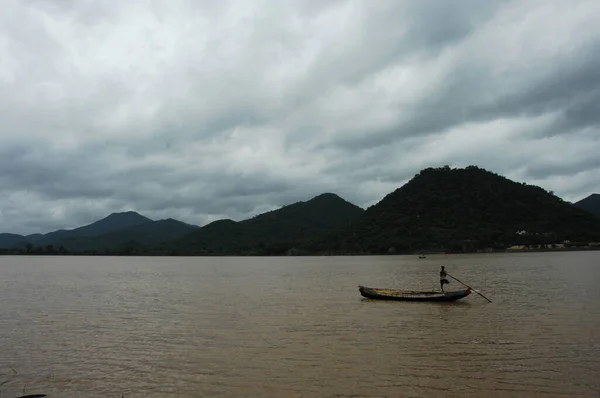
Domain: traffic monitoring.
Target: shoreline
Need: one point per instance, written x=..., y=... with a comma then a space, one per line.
x=425, y=253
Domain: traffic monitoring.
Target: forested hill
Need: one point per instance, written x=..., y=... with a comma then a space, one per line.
x=462, y=209
x=112, y=222
x=273, y=232
x=439, y=209
x=591, y=204
x=109, y=233
x=151, y=233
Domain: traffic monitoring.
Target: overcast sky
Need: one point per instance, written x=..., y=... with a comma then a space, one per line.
x=200, y=110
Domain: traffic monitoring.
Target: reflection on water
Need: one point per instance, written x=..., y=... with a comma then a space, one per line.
x=298, y=327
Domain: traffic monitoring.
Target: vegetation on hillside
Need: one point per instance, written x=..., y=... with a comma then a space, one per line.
x=440, y=209
x=590, y=204
x=274, y=232
x=9, y=240
x=152, y=233
x=113, y=222
x=31, y=250
x=457, y=210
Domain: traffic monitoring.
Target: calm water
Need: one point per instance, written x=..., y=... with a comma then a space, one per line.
x=297, y=327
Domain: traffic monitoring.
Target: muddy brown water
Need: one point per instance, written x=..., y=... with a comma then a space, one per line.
x=297, y=327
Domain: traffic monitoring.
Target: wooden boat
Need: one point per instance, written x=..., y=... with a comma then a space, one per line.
x=410, y=295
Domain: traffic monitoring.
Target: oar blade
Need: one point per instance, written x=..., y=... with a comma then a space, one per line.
x=469, y=287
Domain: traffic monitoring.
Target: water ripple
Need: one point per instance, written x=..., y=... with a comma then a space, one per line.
x=297, y=327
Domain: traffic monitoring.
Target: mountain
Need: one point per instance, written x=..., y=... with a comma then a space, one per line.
x=273, y=232
x=590, y=204
x=147, y=233
x=112, y=222
x=34, y=237
x=9, y=240
x=439, y=209
x=462, y=210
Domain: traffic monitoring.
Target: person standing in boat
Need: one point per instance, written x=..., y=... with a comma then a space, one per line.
x=443, y=279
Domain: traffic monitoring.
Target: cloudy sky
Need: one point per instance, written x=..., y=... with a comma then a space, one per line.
x=199, y=110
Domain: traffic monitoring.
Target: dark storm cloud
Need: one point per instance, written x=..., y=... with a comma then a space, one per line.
x=474, y=95
x=200, y=110
x=563, y=167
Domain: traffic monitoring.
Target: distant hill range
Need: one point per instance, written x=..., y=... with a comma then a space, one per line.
x=438, y=210
x=590, y=204
x=104, y=235
x=108, y=224
x=10, y=240
x=274, y=232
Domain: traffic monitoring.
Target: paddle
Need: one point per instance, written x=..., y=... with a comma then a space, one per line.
x=469, y=287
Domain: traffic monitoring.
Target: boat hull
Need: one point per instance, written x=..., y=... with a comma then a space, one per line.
x=406, y=295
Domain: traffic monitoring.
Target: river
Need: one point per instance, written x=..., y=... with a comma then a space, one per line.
x=298, y=327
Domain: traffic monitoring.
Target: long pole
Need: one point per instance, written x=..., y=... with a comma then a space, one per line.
x=469, y=287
